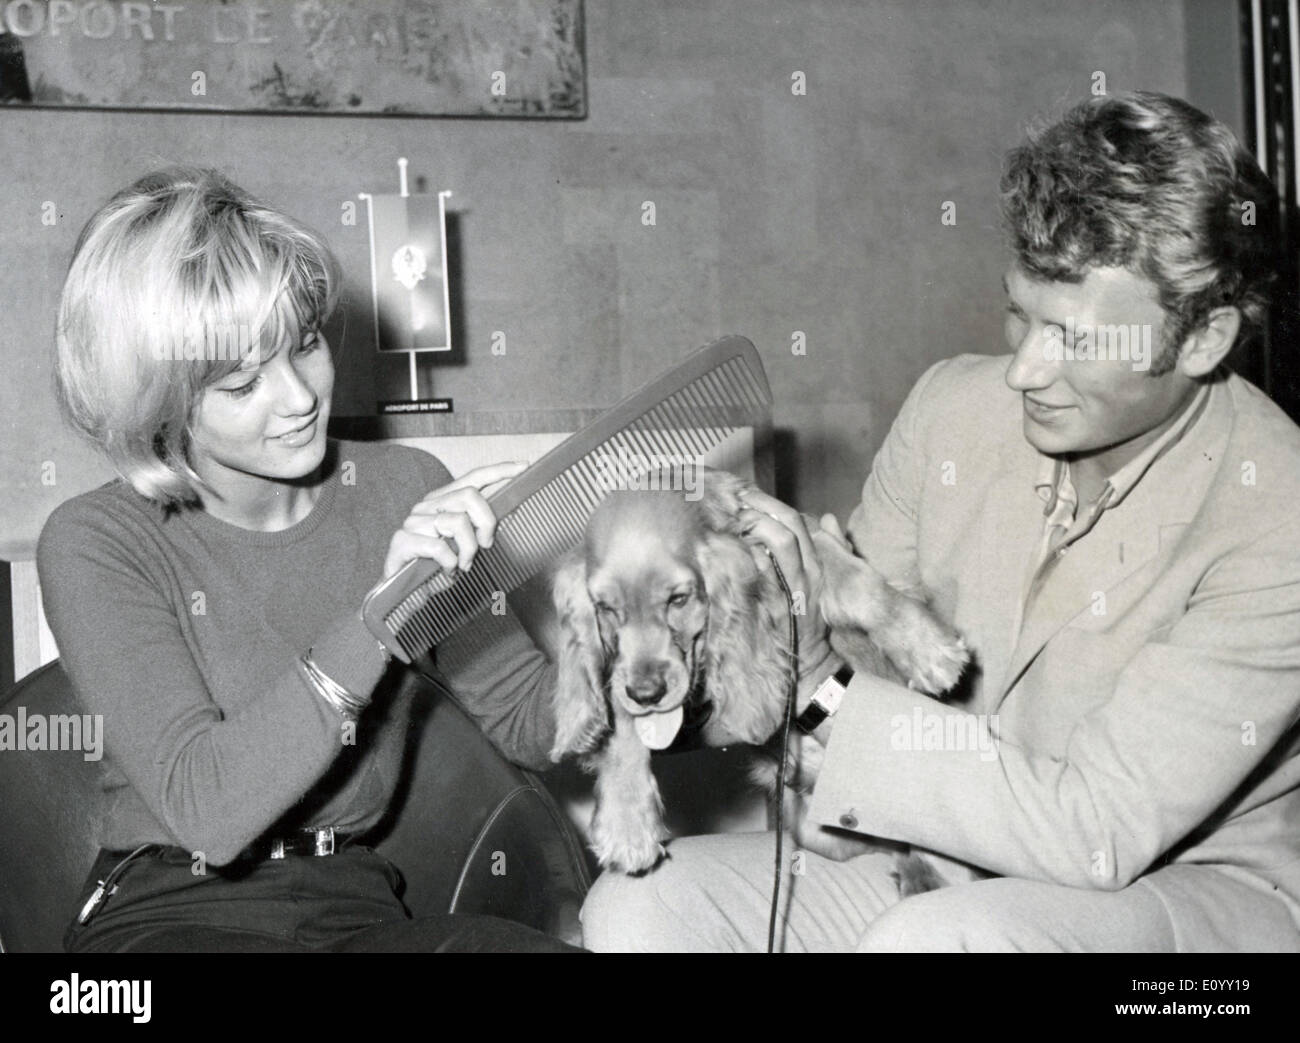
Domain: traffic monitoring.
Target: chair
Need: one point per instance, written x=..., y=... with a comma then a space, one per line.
x=470, y=832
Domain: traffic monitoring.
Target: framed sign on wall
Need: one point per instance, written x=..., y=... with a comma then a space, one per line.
x=514, y=58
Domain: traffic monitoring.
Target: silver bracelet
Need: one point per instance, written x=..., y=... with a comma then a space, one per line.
x=346, y=703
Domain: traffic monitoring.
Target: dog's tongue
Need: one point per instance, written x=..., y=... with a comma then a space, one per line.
x=658, y=730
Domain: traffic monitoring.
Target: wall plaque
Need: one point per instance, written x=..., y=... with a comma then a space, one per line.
x=410, y=57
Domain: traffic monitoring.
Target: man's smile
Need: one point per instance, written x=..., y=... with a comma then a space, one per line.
x=1042, y=410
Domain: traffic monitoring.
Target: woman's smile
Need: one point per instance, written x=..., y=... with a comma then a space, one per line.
x=300, y=436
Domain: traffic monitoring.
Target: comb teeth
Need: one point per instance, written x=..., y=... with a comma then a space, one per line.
x=676, y=420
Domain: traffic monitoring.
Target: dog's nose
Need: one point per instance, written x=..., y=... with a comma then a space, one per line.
x=647, y=693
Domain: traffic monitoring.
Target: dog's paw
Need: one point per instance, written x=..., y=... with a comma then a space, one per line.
x=941, y=669
x=627, y=840
x=929, y=654
x=915, y=875
x=627, y=854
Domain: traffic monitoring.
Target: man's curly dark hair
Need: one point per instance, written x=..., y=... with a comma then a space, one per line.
x=1147, y=183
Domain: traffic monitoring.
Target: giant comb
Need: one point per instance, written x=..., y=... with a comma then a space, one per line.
x=543, y=512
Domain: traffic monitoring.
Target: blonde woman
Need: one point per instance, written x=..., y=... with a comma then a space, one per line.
x=206, y=603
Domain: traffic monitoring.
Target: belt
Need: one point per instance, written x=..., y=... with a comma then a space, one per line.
x=318, y=842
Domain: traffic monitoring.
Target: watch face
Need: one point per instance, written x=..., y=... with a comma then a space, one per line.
x=830, y=694
x=825, y=701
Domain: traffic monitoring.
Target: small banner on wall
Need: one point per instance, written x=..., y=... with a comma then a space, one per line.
x=414, y=57
x=409, y=270
x=408, y=281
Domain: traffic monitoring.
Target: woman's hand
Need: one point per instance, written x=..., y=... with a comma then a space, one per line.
x=458, y=511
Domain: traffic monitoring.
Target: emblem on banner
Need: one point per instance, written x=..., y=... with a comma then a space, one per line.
x=409, y=265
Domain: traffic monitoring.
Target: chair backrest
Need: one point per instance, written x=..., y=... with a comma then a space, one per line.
x=473, y=833
x=470, y=832
x=50, y=806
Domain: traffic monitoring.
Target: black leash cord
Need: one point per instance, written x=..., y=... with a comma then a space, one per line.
x=108, y=886
x=785, y=746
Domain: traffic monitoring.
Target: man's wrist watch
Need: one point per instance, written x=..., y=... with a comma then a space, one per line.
x=825, y=701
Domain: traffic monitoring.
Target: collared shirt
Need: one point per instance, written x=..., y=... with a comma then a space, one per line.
x=1065, y=522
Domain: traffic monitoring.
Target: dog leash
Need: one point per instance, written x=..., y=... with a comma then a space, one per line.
x=790, y=698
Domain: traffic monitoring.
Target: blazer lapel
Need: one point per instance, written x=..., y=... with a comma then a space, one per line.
x=1082, y=580
x=1125, y=538
x=1010, y=524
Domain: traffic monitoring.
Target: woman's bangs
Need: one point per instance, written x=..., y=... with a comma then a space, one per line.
x=258, y=303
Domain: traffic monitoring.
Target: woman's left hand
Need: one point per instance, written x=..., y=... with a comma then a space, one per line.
x=452, y=523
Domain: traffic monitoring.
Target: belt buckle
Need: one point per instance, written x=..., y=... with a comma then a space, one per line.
x=325, y=841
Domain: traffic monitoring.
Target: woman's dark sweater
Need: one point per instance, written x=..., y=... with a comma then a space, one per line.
x=184, y=632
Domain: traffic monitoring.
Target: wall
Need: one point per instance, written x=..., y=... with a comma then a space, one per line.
x=1213, y=53
x=775, y=212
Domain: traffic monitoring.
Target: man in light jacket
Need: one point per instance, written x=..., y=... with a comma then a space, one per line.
x=1112, y=520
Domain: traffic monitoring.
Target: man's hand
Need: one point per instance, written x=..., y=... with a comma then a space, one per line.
x=831, y=527
x=774, y=526
x=458, y=511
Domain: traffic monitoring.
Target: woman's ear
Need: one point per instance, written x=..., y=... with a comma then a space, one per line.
x=746, y=656
x=581, y=715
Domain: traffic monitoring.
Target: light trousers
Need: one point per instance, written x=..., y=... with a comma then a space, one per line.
x=713, y=894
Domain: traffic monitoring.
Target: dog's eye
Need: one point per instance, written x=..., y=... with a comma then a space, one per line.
x=679, y=599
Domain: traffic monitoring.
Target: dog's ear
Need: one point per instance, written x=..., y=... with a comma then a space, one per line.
x=720, y=498
x=581, y=716
x=745, y=657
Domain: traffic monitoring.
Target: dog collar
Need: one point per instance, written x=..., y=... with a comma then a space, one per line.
x=698, y=714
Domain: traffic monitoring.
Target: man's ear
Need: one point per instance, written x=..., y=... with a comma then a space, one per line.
x=1208, y=346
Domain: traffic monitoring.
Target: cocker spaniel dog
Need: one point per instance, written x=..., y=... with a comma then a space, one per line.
x=666, y=619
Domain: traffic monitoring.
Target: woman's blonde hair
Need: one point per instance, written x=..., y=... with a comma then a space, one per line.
x=178, y=281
